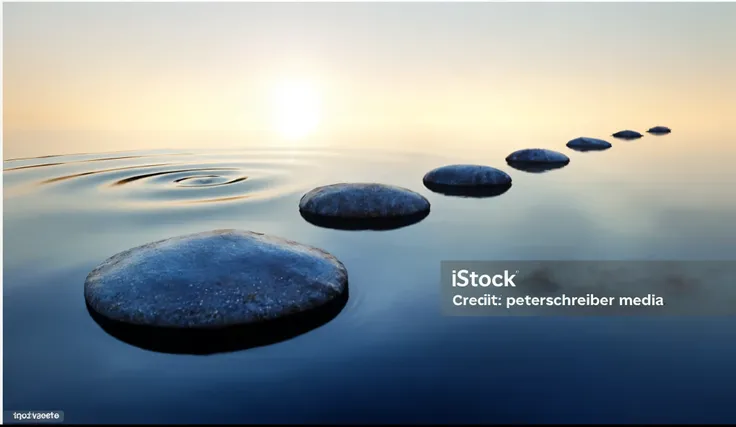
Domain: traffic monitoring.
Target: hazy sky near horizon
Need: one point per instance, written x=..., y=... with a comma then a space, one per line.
x=212, y=66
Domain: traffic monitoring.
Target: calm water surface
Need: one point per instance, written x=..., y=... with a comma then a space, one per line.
x=390, y=355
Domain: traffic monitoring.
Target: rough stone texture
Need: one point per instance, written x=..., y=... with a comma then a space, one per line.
x=627, y=134
x=537, y=160
x=467, y=176
x=660, y=130
x=363, y=201
x=212, y=280
x=588, y=144
x=467, y=181
x=538, y=156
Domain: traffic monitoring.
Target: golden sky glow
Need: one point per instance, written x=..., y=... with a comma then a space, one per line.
x=305, y=69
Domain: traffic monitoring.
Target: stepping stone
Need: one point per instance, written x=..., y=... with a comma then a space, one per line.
x=537, y=160
x=660, y=130
x=468, y=181
x=222, y=290
x=627, y=134
x=584, y=144
x=363, y=206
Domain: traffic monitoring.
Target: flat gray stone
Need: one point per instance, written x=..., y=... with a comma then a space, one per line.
x=467, y=176
x=214, y=279
x=537, y=160
x=588, y=144
x=467, y=180
x=660, y=130
x=627, y=134
x=537, y=155
x=363, y=206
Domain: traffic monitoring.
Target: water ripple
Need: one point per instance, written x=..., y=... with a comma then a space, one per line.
x=193, y=181
x=81, y=174
x=102, y=159
x=31, y=166
x=178, y=179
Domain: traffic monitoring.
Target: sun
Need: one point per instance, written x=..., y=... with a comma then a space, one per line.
x=295, y=108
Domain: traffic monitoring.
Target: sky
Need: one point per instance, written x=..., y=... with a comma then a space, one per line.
x=357, y=67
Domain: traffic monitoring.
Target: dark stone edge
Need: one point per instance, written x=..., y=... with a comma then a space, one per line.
x=581, y=149
x=628, y=138
x=211, y=340
x=473, y=191
x=365, y=223
x=537, y=162
x=537, y=167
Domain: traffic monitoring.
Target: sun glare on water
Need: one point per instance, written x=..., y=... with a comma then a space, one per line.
x=295, y=109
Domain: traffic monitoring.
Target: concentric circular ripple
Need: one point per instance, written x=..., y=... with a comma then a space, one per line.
x=174, y=179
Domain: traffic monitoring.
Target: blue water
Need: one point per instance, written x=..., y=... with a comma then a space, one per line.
x=390, y=356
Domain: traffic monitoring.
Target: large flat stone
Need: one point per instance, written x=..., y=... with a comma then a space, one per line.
x=215, y=291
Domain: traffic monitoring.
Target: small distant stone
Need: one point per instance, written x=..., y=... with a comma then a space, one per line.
x=214, y=280
x=660, y=130
x=363, y=205
x=586, y=144
x=627, y=134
